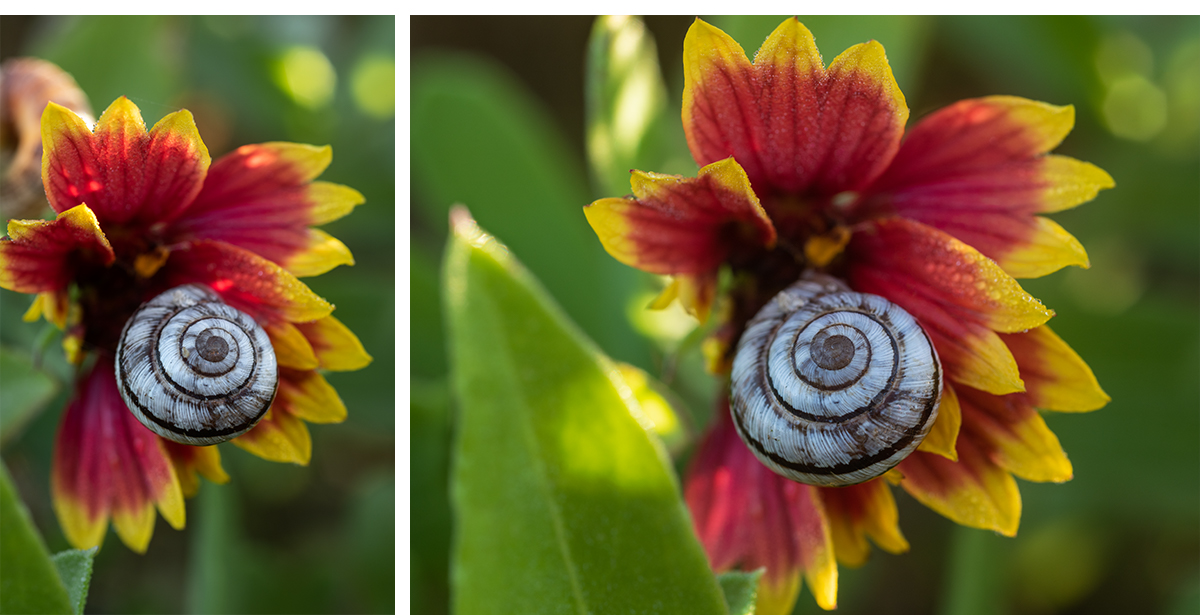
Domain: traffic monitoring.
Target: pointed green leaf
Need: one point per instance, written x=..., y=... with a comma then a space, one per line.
x=28, y=581
x=74, y=567
x=741, y=590
x=626, y=102
x=562, y=502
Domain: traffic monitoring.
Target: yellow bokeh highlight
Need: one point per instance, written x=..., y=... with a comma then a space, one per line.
x=373, y=86
x=307, y=76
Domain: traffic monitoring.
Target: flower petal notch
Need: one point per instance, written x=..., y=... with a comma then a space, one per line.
x=107, y=168
x=793, y=124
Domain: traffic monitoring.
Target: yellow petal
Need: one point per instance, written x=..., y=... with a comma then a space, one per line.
x=135, y=527
x=324, y=252
x=1047, y=250
x=336, y=347
x=291, y=346
x=331, y=201
x=1033, y=452
x=314, y=400
x=278, y=437
x=944, y=433
x=989, y=366
x=81, y=530
x=1071, y=182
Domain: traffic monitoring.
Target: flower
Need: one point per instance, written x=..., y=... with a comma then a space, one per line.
x=809, y=167
x=140, y=212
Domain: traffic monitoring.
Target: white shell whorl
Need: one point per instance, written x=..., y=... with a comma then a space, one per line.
x=193, y=369
x=831, y=387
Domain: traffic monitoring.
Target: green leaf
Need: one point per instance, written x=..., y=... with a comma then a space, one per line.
x=626, y=102
x=741, y=590
x=28, y=581
x=481, y=140
x=26, y=391
x=562, y=502
x=75, y=569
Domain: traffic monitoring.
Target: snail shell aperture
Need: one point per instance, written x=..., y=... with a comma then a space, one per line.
x=831, y=387
x=195, y=370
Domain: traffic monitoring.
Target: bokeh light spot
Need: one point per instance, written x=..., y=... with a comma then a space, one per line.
x=373, y=86
x=307, y=76
x=1122, y=54
x=1135, y=109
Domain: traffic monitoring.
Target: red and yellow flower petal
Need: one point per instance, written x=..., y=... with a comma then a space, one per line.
x=1045, y=248
x=279, y=436
x=717, y=490
x=944, y=433
x=792, y=124
x=282, y=435
x=41, y=256
x=335, y=346
x=189, y=461
x=976, y=170
x=322, y=253
x=777, y=594
x=292, y=348
x=1056, y=378
x=1015, y=435
x=746, y=514
x=676, y=225
x=246, y=281
x=959, y=296
x=1071, y=182
x=972, y=491
x=107, y=463
x=858, y=511
x=124, y=173
x=308, y=396
x=261, y=198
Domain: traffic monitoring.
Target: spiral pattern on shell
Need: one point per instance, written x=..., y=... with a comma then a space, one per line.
x=195, y=370
x=831, y=387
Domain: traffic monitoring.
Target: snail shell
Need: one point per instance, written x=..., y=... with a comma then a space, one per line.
x=194, y=370
x=831, y=387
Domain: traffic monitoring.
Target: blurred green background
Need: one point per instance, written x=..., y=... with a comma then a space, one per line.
x=277, y=538
x=498, y=113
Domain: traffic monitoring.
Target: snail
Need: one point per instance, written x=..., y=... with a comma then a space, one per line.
x=193, y=369
x=832, y=387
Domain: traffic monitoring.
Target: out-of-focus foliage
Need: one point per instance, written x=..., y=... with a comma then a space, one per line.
x=499, y=125
x=277, y=538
